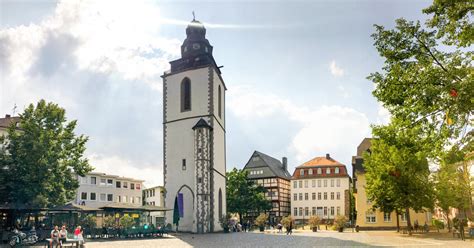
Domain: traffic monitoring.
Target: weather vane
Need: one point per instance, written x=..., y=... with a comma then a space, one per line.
x=194, y=16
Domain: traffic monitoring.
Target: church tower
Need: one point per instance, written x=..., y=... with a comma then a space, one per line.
x=194, y=136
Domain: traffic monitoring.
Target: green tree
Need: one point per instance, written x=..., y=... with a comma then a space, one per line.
x=126, y=221
x=428, y=77
x=397, y=171
x=244, y=195
x=40, y=157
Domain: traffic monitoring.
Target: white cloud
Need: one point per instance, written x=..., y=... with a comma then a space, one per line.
x=325, y=129
x=115, y=165
x=336, y=71
x=383, y=115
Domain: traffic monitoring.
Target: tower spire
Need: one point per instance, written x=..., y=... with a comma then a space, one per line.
x=194, y=16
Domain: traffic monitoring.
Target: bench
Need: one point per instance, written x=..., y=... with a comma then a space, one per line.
x=68, y=242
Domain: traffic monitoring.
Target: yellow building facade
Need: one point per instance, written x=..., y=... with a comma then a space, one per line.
x=365, y=217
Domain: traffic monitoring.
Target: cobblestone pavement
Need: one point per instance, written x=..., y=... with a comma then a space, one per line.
x=300, y=239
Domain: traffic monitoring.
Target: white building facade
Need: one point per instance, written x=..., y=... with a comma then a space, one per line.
x=99, y=189
x=320, y=187
x=194, y=136
x=155, y=196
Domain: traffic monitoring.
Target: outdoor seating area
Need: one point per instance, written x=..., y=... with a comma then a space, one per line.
x=133, y=232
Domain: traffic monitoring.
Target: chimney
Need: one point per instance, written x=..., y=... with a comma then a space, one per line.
x=284, y=162
x=328, y=156
x=7, y=116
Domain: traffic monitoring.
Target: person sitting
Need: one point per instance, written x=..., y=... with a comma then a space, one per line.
x=54, y=237
x=62, y=235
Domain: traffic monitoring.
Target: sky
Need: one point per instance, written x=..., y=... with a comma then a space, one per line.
x=296, y=73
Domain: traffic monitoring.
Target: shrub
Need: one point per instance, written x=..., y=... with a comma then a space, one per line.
x=88, y=221
x=126, y=221
x=314, y=221
x=340, y=221
x=438, y=223
x=285, y=221
x=109, y=221
x=261, y=219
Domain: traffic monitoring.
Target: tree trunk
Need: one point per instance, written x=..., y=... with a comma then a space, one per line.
x=449, y=222
x=408, y=221
x=398, y=221
x=241, y=218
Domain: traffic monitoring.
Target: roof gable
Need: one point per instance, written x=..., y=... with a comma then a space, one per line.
x=273, y=164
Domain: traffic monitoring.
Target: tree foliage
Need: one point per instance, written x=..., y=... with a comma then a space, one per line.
x=244, y=195
x=38, y=159
x=397, y=171
x=428, y=77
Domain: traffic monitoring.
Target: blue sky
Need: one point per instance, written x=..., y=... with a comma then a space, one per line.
x=295, y=72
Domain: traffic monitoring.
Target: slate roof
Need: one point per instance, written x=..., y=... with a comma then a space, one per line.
x=275, y=166
x=7, y=121
x=202, y=123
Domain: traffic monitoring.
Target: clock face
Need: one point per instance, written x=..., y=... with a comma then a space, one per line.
x=196, y=46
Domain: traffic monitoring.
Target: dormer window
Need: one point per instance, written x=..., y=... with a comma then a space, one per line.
x=319, y=171
x=310, y=172
x=301, y=172
x=336, y=170
x=328, y=171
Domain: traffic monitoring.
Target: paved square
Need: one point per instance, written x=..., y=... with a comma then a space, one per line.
x=300, y=239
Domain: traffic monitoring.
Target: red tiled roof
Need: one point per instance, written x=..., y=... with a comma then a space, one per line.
x=321, y=161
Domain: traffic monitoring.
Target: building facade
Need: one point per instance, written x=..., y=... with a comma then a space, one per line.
x=366, y=218
x=194, y=136
x=99, y=189
x=155, y=196
x=320, y=187
x=6, y=122
x=273, y=175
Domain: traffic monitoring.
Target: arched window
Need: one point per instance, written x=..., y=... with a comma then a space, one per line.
x=319, y=170
x=220, y=203
x=328, y=171
x=336, y=170
x=186, y=95
x=220, y=101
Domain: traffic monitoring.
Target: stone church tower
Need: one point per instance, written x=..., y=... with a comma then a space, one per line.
x=194, y=136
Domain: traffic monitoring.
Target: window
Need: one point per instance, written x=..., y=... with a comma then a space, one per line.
x=110, y=197
x=301, y=211
x=103, y=181
x=332, y=211
x=370, y=217
x=306, y=183
x=301, y=172
x=295, y=211
x=124, y=199
x=183, y=164
x=132, y=186
x=125, y=184
x=319, y=182
x=132, y=200
x=300, y=184
x=153, y=192
x=338, y=196
x=306, y=196
x=325, y=195
x=328, y=171
x=325, y=211
x=306, y=211
x=84, y=196
x=301, y=196
x=338, y=182
x=84, y=180
x=220, y=101
x=255, y=158
x=310, y=172
x=110, y=182
x=319, y=195
x=137, y=186
x=338, y=211
x=325, y=182
x=138, y=199
x=295, y=197
x=118, y=184
x=313, y=183
x=119, y=198
x=313, y=196
x=403, y=217
x=295, y=184
x=332, y=195
x=319, y=171
x=103, y=197
x=93, y=197
x=336, y=170
x=93, y=180
x=332, y=182
x=186, y=95
x=387, y=217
